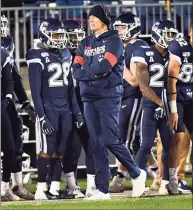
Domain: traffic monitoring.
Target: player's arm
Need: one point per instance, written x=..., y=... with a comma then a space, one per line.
x=143, y=79
x=77, y=115
x=173, y=73
x=18, y=86
x=130, y=75
x=79, y=73
x=35, y=68
x=7, y=77
x=113, y=51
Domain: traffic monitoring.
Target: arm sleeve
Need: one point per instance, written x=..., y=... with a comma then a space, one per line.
x=175, y=51
x=72, y=96
x=35, y=77
x=78, y=72
x=8, y=79
x=112, y=54
x=18, y=85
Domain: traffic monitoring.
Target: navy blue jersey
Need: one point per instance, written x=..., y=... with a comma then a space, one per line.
x=129, y=90
x=51, y=80
x=157, y=66
x=7, y=83
x=183, y=53
x=97, y=56
x=7, y=42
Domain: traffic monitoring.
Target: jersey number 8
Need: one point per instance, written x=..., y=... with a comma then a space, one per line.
x=186, y=73
x=54, y=80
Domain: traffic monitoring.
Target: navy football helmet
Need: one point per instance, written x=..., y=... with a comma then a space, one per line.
x=4, y=26
x=130, y=26
x=163, y=32
x=52, y=33
x=75, y=33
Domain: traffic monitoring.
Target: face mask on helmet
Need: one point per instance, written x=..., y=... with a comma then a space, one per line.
x=128, y=30
x=75, y=37
x=53, y=38
x=4, y=26
x=163, y=37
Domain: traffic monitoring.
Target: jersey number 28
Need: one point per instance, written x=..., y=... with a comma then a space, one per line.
x=55, y=80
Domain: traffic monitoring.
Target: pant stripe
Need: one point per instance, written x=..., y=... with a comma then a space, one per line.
x=42, y=137
x=166, y=106
x=141, y=130
x=132, y=123
x=135, y=124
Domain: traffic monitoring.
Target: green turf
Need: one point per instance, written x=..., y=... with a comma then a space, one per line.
x=174, y=202
x=160, y=202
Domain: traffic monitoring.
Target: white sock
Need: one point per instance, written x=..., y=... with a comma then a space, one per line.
x=71, y=181
x=165, y=182
x=90, y=181
x=55, y=187
x=128, y=175
x=4, y=187
x=42, y=186
x=154, y=165
x=16, y=178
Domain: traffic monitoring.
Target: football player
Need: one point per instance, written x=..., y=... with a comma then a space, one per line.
x=180, y=96
x=7, y=142
x=78, y=137
x=16, y=121
x=98, y=66
x=151, y=63
x=55, y=103
x=129, y=27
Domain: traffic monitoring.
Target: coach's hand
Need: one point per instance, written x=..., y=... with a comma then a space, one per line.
x=30, y=110
x=46, y=126
x=79, y=120
x=159, y=113
x=173, y=121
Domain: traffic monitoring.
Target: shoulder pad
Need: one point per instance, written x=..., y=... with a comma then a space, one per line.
x=34, y=56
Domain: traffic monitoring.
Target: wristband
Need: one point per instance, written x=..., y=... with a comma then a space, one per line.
x=9, y=96
x=42, y=118
x=173, y=106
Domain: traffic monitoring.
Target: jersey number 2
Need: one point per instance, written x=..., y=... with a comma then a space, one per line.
x=158, y=69
x=54, y=80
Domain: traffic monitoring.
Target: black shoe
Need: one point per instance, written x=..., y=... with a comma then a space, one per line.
x=64, y=194
x=50, y=196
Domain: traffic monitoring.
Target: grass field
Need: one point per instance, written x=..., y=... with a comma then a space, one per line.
x=157, y=202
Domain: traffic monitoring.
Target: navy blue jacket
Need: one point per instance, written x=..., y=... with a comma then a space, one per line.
x=97, y=56
x=51, y=80
x=19, y=89
x=7, y=84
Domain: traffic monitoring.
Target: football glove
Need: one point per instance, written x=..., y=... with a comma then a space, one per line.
x=30, y=110
x=46, y=126
x=79, y=120
x=159, y=113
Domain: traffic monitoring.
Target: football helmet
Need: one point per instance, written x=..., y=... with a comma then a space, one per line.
x=52, y=33
x=128, y=26
x=163, y=32
x=4, y=26
x=75, y=33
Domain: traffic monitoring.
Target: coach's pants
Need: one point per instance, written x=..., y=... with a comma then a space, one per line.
x=102, y=117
